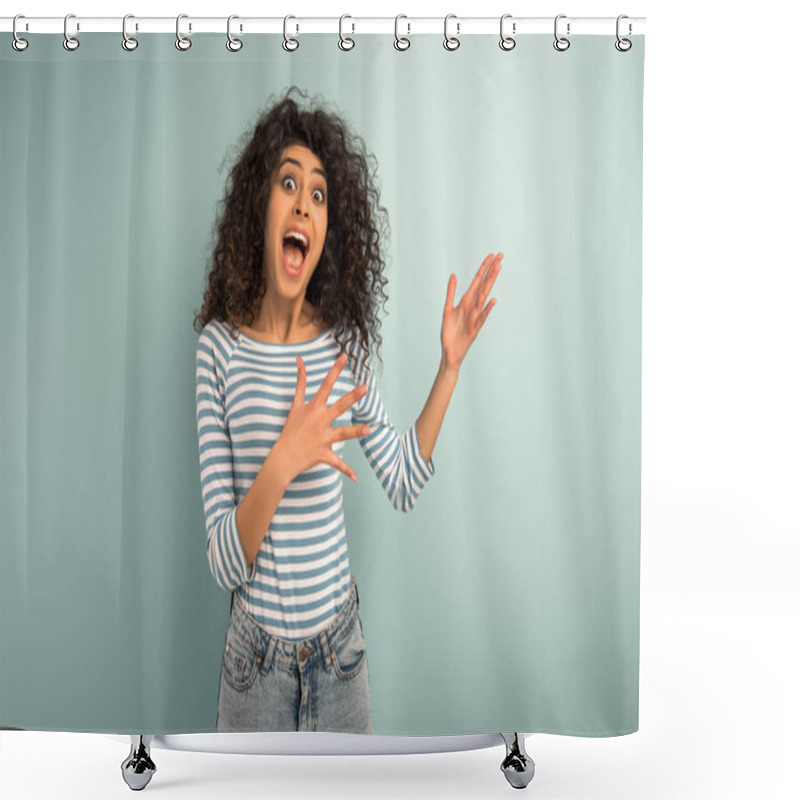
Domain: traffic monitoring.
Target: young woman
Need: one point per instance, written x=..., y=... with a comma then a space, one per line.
x=284, y=378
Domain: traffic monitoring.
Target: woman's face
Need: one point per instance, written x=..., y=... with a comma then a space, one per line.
x=298, y=202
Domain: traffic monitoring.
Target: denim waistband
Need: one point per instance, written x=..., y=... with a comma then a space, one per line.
x=296, y=653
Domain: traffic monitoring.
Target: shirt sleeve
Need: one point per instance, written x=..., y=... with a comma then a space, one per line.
x=396, y=460
x=224, y=549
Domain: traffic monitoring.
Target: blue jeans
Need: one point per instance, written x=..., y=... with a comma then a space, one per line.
x=272, y=684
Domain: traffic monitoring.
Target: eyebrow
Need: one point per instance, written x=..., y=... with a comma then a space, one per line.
x=300, y=166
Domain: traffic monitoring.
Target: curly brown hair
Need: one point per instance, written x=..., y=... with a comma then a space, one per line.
x=347, y=285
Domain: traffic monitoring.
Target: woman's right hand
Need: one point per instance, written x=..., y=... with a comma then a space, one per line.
x=308, y=433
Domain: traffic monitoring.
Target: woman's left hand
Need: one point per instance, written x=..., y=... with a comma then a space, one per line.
x=461, y=324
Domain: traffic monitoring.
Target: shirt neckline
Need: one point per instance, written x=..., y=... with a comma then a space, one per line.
x=284, y=345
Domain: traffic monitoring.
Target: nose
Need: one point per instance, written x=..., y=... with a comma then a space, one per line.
x=301, y=206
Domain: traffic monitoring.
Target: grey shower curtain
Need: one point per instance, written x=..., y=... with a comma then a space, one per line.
x=507, y=599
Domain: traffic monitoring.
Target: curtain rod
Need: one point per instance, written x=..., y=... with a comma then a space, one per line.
x=457, y=26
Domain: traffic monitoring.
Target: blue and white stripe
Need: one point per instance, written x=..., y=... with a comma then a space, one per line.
x=245, y=388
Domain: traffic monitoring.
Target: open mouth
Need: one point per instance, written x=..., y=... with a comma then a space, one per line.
x=295, y=249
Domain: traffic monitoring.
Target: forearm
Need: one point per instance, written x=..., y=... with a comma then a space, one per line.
x=257, y=507
x=429, y=422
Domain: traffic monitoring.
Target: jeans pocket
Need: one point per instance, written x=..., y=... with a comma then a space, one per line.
x=240, y=663
x=350, y=654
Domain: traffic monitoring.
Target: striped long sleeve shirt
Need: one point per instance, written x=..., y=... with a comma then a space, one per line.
x=245, y=388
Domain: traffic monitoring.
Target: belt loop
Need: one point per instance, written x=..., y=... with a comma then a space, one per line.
x=326, y=649
x=271, y=644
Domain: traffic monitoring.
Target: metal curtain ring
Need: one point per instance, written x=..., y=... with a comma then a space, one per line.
x=401, y=43
x=181, y=42
x=623, y=48
x=289, y=43
x=18, y=43
x=345, y=42
x=128, y=42
x=561, y=43
x=233, y=44
x=70, y=42
x=451, y=42
x=507, y=42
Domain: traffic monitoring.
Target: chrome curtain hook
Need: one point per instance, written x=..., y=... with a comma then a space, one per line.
x=181, y=42
x=70, y=42
x=507, y=42
x=401, y=43
x=561, y=43
x=128, y=42
x=233, y=44
x=451, y=42
x=18, y=43
x=289, y=43
x=345, y=42
x=623, y=45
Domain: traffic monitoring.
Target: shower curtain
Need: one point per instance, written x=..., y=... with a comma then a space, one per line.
x=504, y=594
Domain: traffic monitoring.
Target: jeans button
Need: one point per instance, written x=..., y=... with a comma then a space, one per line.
x=306, y=651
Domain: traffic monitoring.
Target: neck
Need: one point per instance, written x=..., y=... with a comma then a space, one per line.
x=282, y=320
